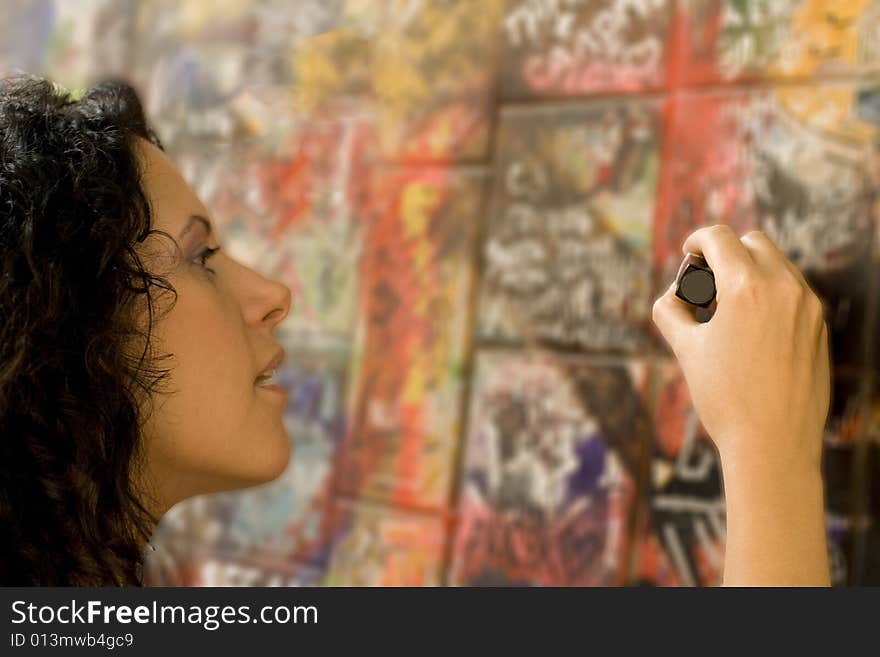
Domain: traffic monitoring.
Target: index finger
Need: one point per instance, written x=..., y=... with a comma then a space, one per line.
x=723, y=251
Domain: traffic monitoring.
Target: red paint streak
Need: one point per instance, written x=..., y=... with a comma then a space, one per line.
x=385, y=446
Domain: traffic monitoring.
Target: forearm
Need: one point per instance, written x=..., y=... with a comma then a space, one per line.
x=775, y=526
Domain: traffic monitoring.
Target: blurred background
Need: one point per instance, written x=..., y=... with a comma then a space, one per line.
x=475, y=203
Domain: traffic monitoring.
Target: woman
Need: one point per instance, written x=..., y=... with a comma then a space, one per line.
x=130, y=367
x=134, y=354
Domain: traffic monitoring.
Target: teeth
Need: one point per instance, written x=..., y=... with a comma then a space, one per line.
x=266, y=378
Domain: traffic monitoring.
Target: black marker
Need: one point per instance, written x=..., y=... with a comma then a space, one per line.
x=695, y=282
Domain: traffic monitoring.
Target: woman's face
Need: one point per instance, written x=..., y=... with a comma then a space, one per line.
x=215, y=428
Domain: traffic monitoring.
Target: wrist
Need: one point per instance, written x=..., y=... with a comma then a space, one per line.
x=763, y=486
x=780, y=492
x=750, y=468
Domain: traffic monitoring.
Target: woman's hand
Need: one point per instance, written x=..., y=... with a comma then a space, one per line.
x=758, y=371
x=759, y=376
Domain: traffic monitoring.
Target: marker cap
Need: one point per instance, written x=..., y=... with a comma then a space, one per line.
x=695, y=282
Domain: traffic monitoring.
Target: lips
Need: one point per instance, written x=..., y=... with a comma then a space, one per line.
x=267, y=379
x=266, y=376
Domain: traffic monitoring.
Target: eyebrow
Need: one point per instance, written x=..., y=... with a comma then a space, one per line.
x=192, y=220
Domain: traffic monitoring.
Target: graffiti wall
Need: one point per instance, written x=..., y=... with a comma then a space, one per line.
x=475, y=204
x=549, y=472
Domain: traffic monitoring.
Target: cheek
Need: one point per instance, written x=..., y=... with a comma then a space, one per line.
x=213, y=366
x=203, y=425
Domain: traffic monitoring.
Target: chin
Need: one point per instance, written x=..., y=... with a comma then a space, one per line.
x=279, y=466
x=265, y=462
x=274, y=460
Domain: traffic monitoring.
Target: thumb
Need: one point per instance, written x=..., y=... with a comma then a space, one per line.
x=673, y=318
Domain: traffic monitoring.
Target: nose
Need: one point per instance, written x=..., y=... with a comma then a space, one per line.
x=279, y=301
x=265, y=302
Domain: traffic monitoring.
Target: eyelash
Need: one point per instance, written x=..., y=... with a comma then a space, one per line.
x=203, y=257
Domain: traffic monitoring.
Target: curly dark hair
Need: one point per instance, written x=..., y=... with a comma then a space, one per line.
x=77, y=370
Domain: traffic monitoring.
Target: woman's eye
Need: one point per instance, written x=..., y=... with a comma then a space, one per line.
x=203, y=256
